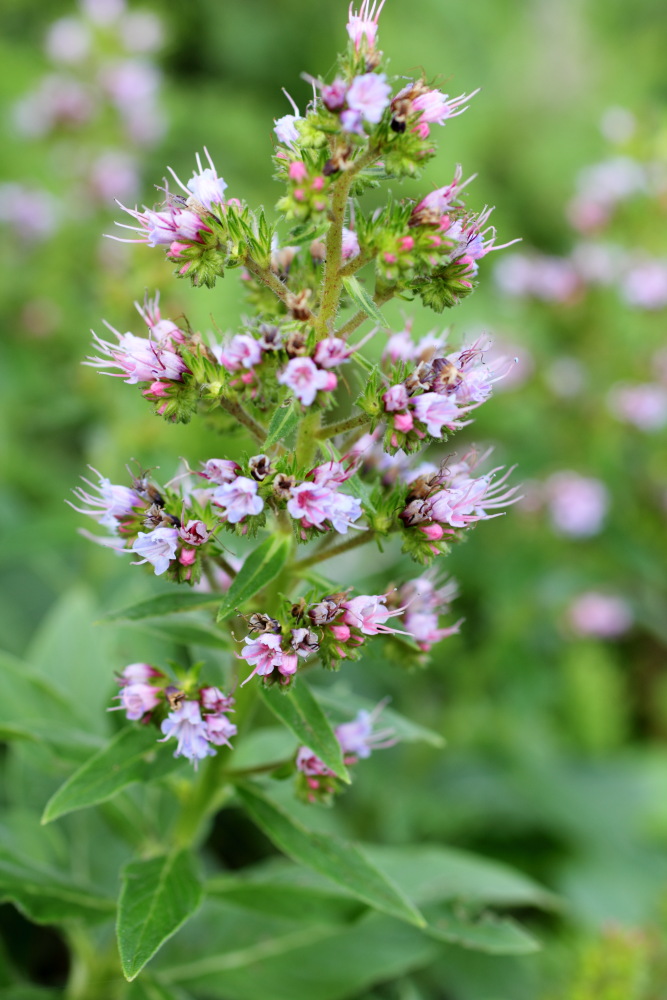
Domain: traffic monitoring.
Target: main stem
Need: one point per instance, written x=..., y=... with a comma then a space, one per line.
x=336, y=550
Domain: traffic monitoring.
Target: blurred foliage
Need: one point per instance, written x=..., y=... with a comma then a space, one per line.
x=555, y=759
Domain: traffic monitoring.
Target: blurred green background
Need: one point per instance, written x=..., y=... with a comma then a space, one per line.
x=555, y=758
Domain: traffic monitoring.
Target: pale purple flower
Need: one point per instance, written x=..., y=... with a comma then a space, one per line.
x=157, y=547
x=362, y=26
x=131, y=83
x=112, y=504
x=470, y=500
x=286, y=130
x=138, y=359
x=645, y=285
x=171, y=225
x=400, y=347
x=58, y=101
x=114, y=174
x=350, y=244
x=141, y=31
x=438, y=411
x=601, y=616
x=369, y=613
x=310, y=764
x=332, y=351
x=219, y=729
x=204, y=187
x=442, y=199
x=186, y=725
x=220, y=470
x=103, y=12
x=242, y=351
x=352, y=121
x=396, y=398
x=369, y=95
x=357, y=738
x=68, y=40
x=577, y=504
x=213, y=700
x=32, y=213
x=239, y=498
x=331, y=473
x=643, y=404
x=138, y=673
x=475, y=376
x=137, y=699
x=344, y=510
x=423, y=627
x=305, y=379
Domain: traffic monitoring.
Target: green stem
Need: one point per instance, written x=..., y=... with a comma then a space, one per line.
x=268, y=278
x=355, y=264
x=206, y=797
x=331, y=430
x=220, y=561
x=351, y=543
x=306, y=439
x=347, y=328
x=237, y=411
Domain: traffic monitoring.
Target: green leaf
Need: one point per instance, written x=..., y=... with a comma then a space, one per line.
x=262, y=747
x=185, y=631
x=344, y=704
x=486, y=932
x=150, y=988
x=299, y=710
x=341, y=862
x=283, y=422
x=157, y=897
x=163, y=604
x=66, y=742
x=29, y=993
x=304, y=903
x=261, y=566
x=362, y=299
x=47, y=897
x=132, y=755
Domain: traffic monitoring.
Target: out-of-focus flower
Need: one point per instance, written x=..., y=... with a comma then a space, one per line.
x=369, y=95
x=577, y=504
x=362, y=27
x=599, y=615
x=644, y=405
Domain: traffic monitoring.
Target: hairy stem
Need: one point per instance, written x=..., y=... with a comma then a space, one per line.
x=268, y=278
x=336, y=550
x=306, y=439
x=356, y=264
x=341, y=426
x=237, y=411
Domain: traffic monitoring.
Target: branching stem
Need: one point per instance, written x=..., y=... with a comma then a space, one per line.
x=336, y=550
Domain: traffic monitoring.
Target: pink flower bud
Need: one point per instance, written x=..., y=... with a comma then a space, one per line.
x=433, y=532
x=247, y=377
x=406, y=243
x=158, y=389
x=395, y=398
x=318, y=184
x=299, y=194
x=403, y=422
x=331, y=383
x=390, y=258
x=187, y=557
x=340, y=632
x=297, y=170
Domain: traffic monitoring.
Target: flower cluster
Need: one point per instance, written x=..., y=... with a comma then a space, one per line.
x=199, y=724
x=357, y=740
x=329, y=486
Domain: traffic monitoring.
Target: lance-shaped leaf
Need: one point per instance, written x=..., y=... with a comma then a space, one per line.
x=341, y=862
x=46, y=896
x=157, y=897
x=185, y=630
x=362, y=300
x=343, y=703
x=283, y=422
x=453, y=923
x=262, y=565
x=163, y=604
x=150, y=988
x=132, y=755
x=301, y=713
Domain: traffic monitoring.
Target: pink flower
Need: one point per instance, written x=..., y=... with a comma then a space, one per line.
x=239, y=498
x=602, y=616
x=333, y=94
x=441, y=200
x=396, y=398
x=436, y=108
x=139, y=359
x=369, y=614
x=344, y=510
x=220, y=470
x=172, y=224
x=213, y=700
x=644, y=405
x=111, y=505
x=369, y=95
x=219, y=729
x=577, y=504
x=137, y=700
x=242, y=351
x=194, y=533
x=285, y=127
x=138, y=673
x=310, y=764
x=186, y=725
x=362, y=27
x=350, y=244
x=438, y=411
x=305, y=379
x=266, y=654
x=400, y=347
x=469, y=500
x=331, y=352
x=158, y=547
x=310, y=502
x=403, y=423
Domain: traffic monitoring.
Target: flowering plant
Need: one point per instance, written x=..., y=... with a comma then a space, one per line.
x=326, y=433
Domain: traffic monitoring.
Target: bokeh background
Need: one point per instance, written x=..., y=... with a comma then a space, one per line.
x=555, y=711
